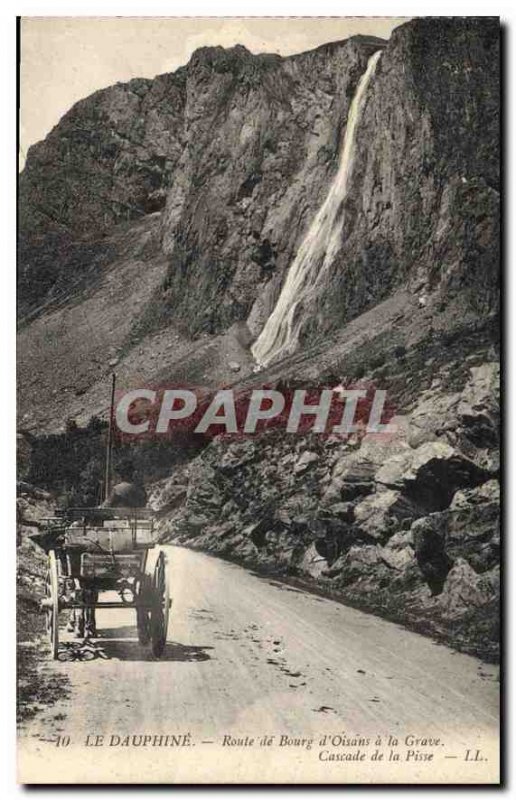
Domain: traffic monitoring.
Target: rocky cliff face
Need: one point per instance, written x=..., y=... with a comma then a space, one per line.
x=239, y=151
x=263, y=141
x=425, y=204
x=159, y=213
x=221, y=142
x=109, y=160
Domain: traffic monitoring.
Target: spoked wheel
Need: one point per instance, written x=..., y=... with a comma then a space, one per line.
x=52, y=605
x=142, y=615
x=160, y=607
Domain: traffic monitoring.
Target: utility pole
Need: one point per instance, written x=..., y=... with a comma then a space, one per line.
x=110, y=437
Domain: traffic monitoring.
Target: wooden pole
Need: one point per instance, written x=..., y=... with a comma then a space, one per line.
x=110, y=438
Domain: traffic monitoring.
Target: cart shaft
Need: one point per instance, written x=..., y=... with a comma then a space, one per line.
x=101, y=604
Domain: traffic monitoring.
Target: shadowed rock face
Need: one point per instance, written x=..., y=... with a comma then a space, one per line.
x=109, y=160
x=238, y=151
x=221, y=141
x=426, y=199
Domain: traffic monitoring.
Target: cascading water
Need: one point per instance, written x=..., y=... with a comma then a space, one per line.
x=280, y=334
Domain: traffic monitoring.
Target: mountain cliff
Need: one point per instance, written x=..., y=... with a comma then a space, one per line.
x=200, y=186
x=158, y=223
x=238, y=150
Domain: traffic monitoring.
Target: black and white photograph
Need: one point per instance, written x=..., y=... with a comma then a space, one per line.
x=258, y=366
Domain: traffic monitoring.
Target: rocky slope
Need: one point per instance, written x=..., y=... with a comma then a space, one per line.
x=157, y=223
x=37, y=684
x=406, y=525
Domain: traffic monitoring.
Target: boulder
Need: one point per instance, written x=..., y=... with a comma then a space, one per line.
x=305, y=461
x=469, y=528
x=33, y=505
x=363, y=567
x=247, y=550
x=295, y=505
x=429, y=535
x=436, y=472
x=490, y=582
x=467, y=419
x=312, y=563
x=332, y=493
x=340, y=511
x=433, y=418
x=464, y=589
x=357, y=481
x=365, y=555
x=169, y=497
x=399, y=558
x=478, y=408
x=355, y=472
x=400, y=540
x=473, y=526
x=488, y=492
x=391, y=473
x=379, y=514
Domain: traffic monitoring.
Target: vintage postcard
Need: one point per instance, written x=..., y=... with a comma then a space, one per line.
x=258, y=365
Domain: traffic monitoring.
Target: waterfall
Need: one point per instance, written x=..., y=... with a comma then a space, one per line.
x=318, y=249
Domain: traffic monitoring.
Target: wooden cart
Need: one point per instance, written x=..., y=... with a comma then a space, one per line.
x=96, y=550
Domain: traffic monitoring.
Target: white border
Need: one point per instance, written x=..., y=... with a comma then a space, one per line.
x=9, y=11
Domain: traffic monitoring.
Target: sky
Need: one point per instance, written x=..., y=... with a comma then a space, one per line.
x=64, y=59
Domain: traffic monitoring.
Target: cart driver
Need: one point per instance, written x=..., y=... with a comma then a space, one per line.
x=127, y=493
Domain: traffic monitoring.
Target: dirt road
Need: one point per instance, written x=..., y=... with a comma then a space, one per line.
x=248, y=658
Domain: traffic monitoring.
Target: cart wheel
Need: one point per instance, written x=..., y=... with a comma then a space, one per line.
x=142, y=614
x=160, y=608
x=52, y=610
x=143, y=625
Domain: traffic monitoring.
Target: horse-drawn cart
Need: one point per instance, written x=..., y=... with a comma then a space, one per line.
x=104, y=550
